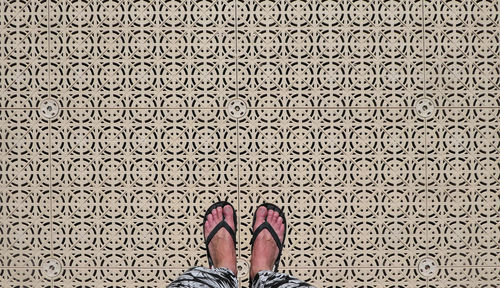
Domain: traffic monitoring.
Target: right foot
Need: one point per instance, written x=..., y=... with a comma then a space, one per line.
x=264, y=250
x=221, y=246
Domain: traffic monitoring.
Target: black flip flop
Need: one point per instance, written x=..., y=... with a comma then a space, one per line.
x=266, y=225
x=220, y=225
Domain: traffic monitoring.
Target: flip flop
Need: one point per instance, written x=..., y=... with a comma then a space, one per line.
x=220, y=225
x=266, y=225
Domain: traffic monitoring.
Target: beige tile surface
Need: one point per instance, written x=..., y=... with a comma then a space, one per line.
x=123, y=186
x=28, y=277
x=142, y=54
x=25, y=193
x=116, y=184
x=352, y=183
x=466, y=276
x=463, y=185
x=462, y=53
x=330, y=53
x=24, y=54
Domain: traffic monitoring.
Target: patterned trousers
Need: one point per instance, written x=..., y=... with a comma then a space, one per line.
x=200, y=277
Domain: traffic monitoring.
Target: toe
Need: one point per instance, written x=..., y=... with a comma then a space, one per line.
x=270, y=216
x=260, y=216
x=275, y=216
x=228, y=215
x=281, y=232
x=219, y=214
x=208, y=224
x=214, y=215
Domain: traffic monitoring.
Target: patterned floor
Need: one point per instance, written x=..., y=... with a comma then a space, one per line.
x=375, y=124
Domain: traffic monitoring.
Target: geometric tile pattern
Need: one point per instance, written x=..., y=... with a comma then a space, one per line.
x=135, y=200
x=17, y=277
x=115, y=186
x=142, y=54
x=463, y=183
x=330, y=54
x=25, y=210
x=462, y=53
x=466, y=276
x=352, y=181
x=24, y=54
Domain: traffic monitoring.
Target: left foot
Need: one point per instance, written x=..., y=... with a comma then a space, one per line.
x=221, y=246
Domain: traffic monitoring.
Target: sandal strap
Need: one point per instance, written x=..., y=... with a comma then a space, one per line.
x=220, y=225
x=266, y=225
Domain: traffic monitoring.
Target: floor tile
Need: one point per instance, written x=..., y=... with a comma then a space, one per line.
x=462, y=51
x=463, y=183
x=22, y=277
x=330, y=54
x=24, y=71
x=466, y=277
x=25, y=224
x=131, y=186
x=351, y=183
x=152, y=55
x=115, y=186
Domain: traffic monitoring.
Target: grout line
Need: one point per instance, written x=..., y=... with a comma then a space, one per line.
x=283, y=268
x=18, y=108
x=50, y=136
x=423, y=50
x=467, y=107
x=426, y=198
x=237, y=127
x=125, y=268
x=20, y=267
x=346, y=268
x=426, y=168
x=382, y=267
x=254, y=108
x=236, y=45
x=132, y=28
x=51, y=196
x=238, y=182
x=333, y=108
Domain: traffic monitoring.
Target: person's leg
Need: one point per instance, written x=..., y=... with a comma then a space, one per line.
x=223, y=254
x=265, y=251
x=201, y=277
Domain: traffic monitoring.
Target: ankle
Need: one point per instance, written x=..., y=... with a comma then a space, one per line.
x=228, y=265
x=253, y=272
x=256, y=268
x=233, y=269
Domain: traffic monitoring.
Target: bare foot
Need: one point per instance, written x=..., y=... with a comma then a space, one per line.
x=221, y=246
x=265, y=251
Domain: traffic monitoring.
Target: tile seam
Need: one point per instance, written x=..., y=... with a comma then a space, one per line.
x=238, y=193
x=282, y=268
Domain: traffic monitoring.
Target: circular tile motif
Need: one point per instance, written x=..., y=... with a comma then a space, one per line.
x=51, y=267
x=424, y=108
x=237, y=109
x=243, y=267
x=49, y=108
x=427, y=267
